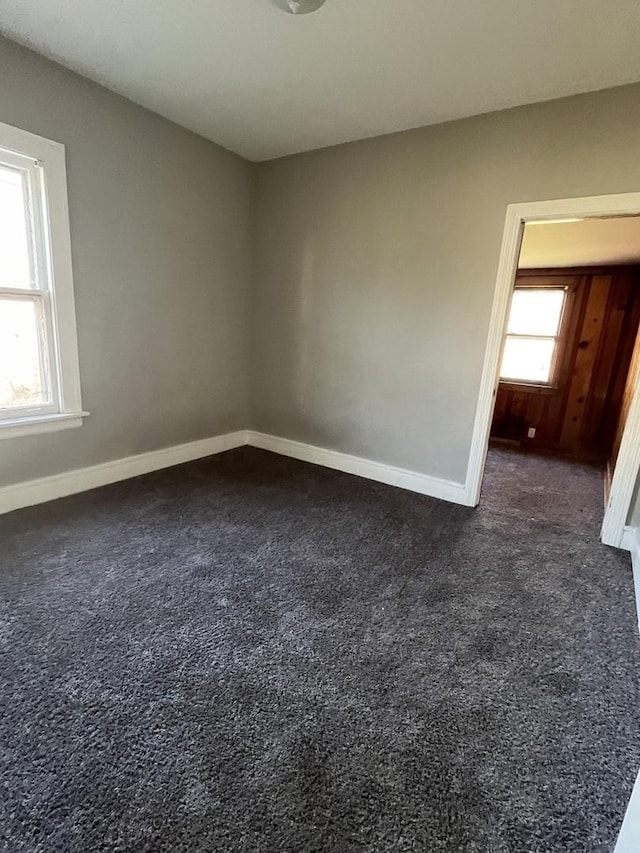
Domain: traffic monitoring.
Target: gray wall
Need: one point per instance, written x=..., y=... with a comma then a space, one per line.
x=375, y=266
x=161, y=241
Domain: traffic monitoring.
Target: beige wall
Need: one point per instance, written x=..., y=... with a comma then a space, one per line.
x=375, y=266
x=161, y=243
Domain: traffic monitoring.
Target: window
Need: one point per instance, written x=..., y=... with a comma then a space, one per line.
x=39, y=376
x=532, y=335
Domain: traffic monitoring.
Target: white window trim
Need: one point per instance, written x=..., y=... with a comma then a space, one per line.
x=553, y=370
x=53, y=221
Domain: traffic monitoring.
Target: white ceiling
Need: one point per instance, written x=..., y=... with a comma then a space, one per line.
x=583, y=243
x=264, y=83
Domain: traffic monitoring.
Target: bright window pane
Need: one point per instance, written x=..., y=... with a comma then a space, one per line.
x=21, y=379
x=527, y=359
x=15, y=266
x=536, y=311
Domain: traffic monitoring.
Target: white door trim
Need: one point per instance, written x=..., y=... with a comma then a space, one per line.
x=628, y=462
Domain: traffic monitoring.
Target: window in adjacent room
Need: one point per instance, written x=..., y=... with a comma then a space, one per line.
x=533, y=330
x=39, y=375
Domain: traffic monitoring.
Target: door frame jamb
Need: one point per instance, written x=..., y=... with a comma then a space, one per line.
x=627, y=465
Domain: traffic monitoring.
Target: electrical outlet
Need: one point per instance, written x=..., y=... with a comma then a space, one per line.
x=531, y=432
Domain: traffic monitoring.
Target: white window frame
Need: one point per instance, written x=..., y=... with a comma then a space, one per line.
x=43, y=160
x=551, y=382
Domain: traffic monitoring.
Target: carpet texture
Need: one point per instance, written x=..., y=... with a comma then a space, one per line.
x=254, y=654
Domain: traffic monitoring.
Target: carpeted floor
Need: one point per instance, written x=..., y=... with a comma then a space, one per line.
x=254, y=654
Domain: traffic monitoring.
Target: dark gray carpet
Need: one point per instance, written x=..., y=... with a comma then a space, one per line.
x=253, y=654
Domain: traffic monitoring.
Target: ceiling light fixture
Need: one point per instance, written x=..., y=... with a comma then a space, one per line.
x=299, y=7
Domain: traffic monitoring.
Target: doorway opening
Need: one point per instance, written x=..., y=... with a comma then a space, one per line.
x=562, y=367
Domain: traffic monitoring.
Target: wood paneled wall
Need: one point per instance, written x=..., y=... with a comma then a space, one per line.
x=580, y=414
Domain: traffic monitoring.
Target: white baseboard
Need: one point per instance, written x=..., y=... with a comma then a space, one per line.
x=445, y=490
x=628, y=539
x=631, y=543
x=630, y=833
x=44, y=489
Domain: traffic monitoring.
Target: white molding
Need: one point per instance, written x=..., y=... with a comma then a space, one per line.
x=630, y=832
x=628, y=539
x=625, y=475
x=56, y=486
x=402, y=478
x=18, y=141
x=56, y=218
x=507, y=266
x=44, y=489
x=631, y=542
x=40, y=423
x=628, y=462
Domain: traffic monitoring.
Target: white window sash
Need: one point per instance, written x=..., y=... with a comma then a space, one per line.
x=46, y=353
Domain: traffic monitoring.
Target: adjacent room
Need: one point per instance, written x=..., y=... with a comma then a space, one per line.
x=570, y=356
x=569, y=364
x=319, y=426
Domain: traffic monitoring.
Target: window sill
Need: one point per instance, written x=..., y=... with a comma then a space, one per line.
x=527, y=387
x=40, y=423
